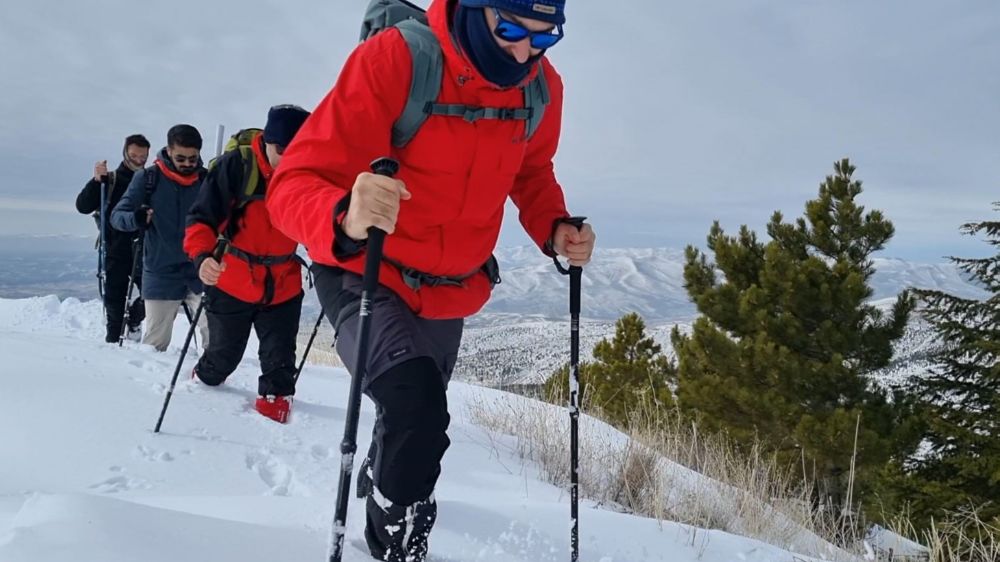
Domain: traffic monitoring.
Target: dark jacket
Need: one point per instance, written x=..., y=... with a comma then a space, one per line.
x=263, y=268
x=168, y=274
x=119, y=244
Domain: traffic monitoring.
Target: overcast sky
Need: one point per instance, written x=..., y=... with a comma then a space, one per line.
x=677, y=113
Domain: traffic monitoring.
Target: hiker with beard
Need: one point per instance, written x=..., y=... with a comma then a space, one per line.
x=118, y=245
x=157, y=202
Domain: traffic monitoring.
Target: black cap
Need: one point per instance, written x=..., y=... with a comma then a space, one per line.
x=283, y=121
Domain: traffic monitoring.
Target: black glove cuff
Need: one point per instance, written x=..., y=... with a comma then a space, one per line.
x=344, y=246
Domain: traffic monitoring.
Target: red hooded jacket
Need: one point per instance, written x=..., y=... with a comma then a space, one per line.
x=216, y=206
x=460, y=174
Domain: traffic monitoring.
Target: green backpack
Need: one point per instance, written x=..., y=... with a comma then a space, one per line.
x=253, y=188
x=428, y=72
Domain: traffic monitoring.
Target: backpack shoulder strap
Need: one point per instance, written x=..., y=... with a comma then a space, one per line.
x=251, y=177
x=428, y=71
x=248, y=191
x=536, y=97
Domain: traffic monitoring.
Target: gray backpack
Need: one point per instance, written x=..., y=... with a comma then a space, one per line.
x=428, y=72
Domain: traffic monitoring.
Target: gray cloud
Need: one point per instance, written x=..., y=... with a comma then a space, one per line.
x=677, y=113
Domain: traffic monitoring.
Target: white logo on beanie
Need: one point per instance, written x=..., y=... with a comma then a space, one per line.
x=544, y=9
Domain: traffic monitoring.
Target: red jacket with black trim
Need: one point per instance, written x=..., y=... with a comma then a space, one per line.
x=460, y=174
x=216, y=206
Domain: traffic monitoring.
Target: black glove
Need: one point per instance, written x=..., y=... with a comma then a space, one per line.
x=142, y=217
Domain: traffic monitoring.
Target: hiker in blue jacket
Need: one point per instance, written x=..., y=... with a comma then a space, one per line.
x=156, y=203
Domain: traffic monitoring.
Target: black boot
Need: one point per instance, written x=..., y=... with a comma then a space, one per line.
x=398, y=533
x=136, y=314
x=366, y=474
x=112, y=333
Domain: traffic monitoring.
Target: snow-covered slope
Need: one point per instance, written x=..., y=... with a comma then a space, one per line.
x=83, y=478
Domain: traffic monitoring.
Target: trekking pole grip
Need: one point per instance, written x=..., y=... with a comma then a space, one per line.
x=578, y=222
x=221, y=245
x=376, y=236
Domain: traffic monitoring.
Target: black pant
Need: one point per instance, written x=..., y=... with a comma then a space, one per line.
x=229, y=322
x=118, y=270
x=404, y=460
x=410, y=436
x=409, y=364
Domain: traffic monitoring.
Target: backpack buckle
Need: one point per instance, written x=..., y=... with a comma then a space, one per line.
x=411, y=278
x=507, y=114
x=473, y=114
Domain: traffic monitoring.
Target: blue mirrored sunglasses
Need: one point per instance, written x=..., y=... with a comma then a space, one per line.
x=514, y=32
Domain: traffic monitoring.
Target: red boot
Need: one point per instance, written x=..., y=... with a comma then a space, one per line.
x=275, y=407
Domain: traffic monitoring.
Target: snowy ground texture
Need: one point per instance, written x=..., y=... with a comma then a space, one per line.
x=84, y=479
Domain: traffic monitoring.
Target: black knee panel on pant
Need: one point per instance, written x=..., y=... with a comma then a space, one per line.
x=214, y=368
x=208, y=375
x=410, y=433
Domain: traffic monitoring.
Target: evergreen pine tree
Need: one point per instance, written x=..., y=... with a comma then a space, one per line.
x=787, y=337
x=960, y=396
x=629, y=373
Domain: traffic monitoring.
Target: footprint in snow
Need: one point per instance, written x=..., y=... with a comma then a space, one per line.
x=117, y=484
x=275, y=473
x=152, y=455
x=320, y=452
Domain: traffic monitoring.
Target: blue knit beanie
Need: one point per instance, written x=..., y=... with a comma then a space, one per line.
x=551, y=11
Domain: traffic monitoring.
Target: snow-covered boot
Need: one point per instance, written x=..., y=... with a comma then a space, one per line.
x=396, y=533
x=134, y=333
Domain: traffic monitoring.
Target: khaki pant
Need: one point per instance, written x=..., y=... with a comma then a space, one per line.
x=160, y=317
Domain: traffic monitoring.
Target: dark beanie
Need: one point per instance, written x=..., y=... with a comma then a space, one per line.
x=551, y=11
x=283, y=121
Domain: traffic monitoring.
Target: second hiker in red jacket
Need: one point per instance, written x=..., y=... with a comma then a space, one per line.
x=259, y=282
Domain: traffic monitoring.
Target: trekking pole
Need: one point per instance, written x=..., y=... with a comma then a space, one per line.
x=187, y=311
x=102, y=253
x=302, y=363
x=136, y=247
x=376, y=237
x=220, y=249
x=218, y=139
x=187, y=314
x=575, y=277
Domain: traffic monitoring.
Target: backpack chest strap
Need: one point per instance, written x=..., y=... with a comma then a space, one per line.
x=473, y=113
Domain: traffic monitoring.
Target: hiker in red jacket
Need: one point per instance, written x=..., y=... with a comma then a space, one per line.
x=477, y=147
x=259, y=282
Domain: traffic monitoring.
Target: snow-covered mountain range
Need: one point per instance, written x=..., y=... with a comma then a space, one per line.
x=651, y=282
